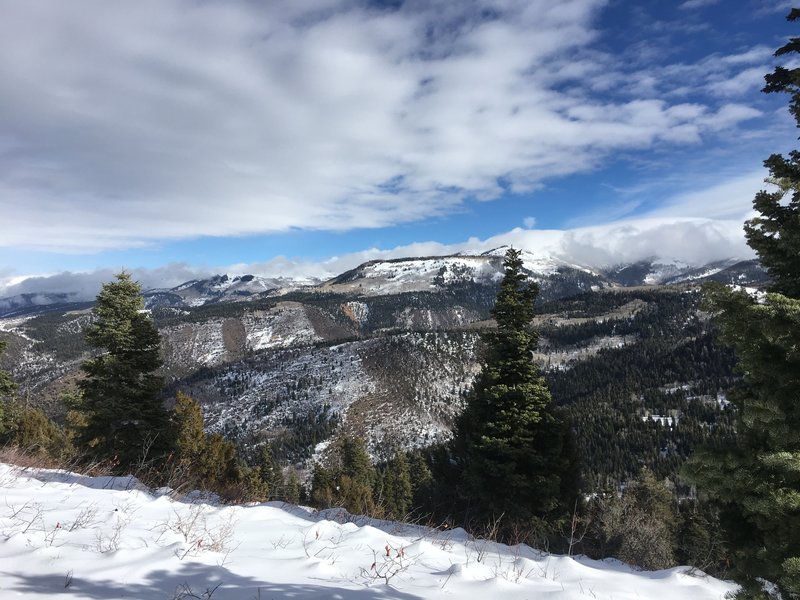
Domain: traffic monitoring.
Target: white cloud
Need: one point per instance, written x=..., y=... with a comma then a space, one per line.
x=84, y=286
x=714, y=75
x=529, y=222
x=740, y=83
x=154, y=121
x=769, y=7
x=730, y=199
x=693, y=4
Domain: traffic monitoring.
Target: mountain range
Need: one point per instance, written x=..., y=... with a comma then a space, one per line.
x=389, y=350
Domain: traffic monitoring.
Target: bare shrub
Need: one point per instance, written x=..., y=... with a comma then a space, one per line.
x=109, y=542
x=193, y=527
x=387, y=565
x=639, y=525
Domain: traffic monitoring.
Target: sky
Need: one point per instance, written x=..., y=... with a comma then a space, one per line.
x=299, y=138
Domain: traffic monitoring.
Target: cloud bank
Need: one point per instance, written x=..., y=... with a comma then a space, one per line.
x=127, y=124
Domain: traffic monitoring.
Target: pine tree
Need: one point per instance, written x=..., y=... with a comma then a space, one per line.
x=190, y=441
x=357, y=477
x=7, y=386
x=124, y=418
x=349, y=484
x=422, y=483
x=269, y=471
x=323, y=487
x=396, y=490
x=293, y=491
x=7, y=389
x=756, y=483
x=510, y=438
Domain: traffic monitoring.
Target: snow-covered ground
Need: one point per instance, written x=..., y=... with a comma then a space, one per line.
x=68, y=536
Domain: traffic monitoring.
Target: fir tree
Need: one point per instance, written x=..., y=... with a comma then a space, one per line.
x=269, y=471
x=511, y=438
x=756, y=482
x=7, y=389
x=396, y=490
x=7, y=386
x=350, y=484
x=124, y=418
x=356, y=478
x=293, y=490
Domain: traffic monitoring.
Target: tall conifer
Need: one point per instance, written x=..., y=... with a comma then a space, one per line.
x=7, y=386
x=511, y=438
x=124, y=418
x=756, y=483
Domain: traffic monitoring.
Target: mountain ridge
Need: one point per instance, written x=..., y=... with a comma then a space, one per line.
x=404, y=274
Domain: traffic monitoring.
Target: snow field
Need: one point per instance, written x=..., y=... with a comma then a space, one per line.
x=100, y=538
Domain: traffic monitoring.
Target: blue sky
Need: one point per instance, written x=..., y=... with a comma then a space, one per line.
x=299, y=138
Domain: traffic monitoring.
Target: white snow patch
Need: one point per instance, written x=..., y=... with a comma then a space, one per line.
x=69, y=536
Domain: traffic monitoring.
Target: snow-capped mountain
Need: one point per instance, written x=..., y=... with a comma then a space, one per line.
x=413, y=274
x=422, y=274
x=380, y=277
x=220, y=288
x=660, y=272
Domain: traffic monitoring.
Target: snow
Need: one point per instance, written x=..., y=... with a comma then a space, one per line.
x=541, y=262
x=421, y=274
x=760, y=296
x=663, y=270
x=15, y=325
x=663, y=420
x=358, y=312
x=102, y=538
x=284, y=325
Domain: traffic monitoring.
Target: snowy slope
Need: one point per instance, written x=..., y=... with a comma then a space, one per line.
x=540, y=262
x=219, y=288
x=379, y=277
x=414, y=274
x=68, y=536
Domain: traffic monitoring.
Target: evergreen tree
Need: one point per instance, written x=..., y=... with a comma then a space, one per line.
x=293, y=491
x=756, y=482
x=7, y=386
x=190, y=435
x=323, y=487
x=7, y=389
x=396, y=490
x=422, y=483
x=350, y=484
x=357, y=477
x=124, y=418
x=209, y=461
x=510, y=438
x=190, y=441
x=269, y=471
